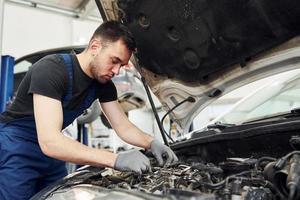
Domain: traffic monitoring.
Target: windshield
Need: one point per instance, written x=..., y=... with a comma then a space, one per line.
x=282, y=94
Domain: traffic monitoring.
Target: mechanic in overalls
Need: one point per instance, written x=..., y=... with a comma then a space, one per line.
x=55, y=91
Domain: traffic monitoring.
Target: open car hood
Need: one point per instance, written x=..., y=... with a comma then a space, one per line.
x=205, y=49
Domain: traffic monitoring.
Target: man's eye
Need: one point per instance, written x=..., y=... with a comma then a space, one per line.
x=115, y=61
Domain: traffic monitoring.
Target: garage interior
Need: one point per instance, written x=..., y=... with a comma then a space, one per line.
x=32, y=24
x=37, y=27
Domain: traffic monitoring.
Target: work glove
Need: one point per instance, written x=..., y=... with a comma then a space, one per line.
x=132, y=161
x=161, y=151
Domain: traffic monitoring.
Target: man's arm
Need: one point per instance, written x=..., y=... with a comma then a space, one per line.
x=123, y=127
x=49, y=118
x=132, y=135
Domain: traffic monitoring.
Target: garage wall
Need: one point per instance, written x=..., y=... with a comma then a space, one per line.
x=26, y=30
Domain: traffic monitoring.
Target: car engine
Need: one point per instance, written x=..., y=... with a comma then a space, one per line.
x=265, y=178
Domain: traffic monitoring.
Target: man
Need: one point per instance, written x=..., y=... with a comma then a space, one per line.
x=52, y=94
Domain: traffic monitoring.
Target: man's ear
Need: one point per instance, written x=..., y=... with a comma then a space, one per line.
x=95, y=44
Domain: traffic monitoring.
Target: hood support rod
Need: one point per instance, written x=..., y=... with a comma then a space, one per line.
x=154, y=111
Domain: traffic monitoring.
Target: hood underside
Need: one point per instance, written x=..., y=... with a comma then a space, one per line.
x=206, y=49
x=190, y=40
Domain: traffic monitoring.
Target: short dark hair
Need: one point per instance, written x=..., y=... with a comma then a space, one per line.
x=112, y=31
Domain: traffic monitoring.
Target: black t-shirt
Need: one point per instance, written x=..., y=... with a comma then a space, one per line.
x=49, y=77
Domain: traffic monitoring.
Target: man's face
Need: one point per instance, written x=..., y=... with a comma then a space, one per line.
x=108, y=60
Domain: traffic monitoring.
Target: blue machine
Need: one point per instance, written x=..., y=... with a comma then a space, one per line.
x=6, y=81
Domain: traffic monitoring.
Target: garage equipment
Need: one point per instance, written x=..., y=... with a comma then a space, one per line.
x=6, y=81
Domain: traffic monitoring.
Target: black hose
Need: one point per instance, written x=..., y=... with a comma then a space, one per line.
x=210, y=169
x=214, y=186
x=269, y=185
x=265, y=158
x=291, y=153
x=189, y=99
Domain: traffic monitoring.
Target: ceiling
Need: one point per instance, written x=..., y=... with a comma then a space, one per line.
x=76, y=8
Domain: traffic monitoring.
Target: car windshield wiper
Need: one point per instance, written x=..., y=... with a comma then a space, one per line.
x=219, y=125
x=295, y=111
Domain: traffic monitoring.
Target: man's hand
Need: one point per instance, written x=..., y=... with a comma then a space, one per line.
x=132, y=161
x=160, y=151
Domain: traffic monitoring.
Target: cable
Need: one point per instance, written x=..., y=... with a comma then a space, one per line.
x=165, y=132
x=189, y=99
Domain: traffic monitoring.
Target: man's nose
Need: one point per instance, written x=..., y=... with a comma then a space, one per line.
x=116, y=69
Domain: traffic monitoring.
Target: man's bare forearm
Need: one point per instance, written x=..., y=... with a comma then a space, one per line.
x=136, y=137
x=63, y=148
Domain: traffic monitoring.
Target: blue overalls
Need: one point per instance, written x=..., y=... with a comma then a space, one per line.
x=24, y=169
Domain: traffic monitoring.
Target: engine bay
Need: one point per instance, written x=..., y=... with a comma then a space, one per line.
x=265, y=178
x=259, y=164
x=234, y=179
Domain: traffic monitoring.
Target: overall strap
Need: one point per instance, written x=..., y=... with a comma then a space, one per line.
x=90, y=97
x=69, y=64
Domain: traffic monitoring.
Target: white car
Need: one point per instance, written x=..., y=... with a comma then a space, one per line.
x=191, y=53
